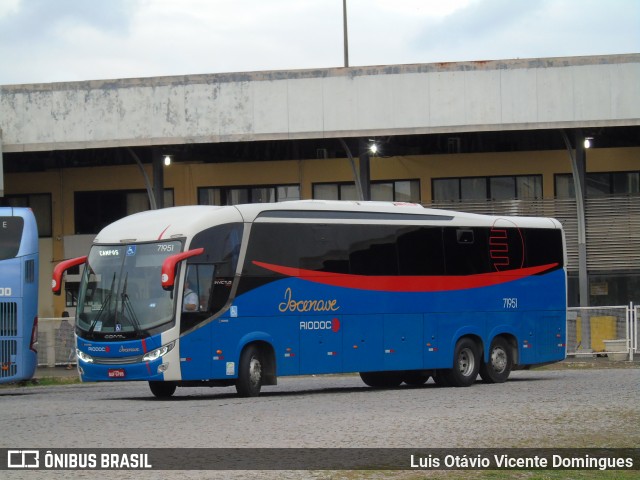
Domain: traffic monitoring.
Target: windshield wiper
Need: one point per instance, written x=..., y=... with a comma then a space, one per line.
x=107, y=301
x=131, y=314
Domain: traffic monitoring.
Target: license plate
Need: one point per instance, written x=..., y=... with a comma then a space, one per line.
x=116, y=373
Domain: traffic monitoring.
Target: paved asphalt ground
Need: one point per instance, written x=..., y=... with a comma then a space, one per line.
x=578, y=363
x=577, y=403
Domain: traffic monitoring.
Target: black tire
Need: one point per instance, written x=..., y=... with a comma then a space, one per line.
x=162, y=389
x=466, y=364
x=500, y=363
x=250, y=372
x=381, y=379
x=415, y=378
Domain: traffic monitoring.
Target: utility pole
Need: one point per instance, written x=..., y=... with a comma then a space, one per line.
x=345, y=34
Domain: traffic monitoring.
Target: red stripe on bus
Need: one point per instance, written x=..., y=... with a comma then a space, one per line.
x=408, y=283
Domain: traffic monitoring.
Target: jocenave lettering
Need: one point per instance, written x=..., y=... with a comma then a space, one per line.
x=291, y=305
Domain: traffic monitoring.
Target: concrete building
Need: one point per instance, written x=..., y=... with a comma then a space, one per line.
x=501, y=136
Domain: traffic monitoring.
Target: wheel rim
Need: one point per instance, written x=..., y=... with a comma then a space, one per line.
x=466, y=362
x=498, y=360
x=255, y=371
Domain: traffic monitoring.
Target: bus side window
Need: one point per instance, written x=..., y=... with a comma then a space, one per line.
x=213, y=272
x=467, y=251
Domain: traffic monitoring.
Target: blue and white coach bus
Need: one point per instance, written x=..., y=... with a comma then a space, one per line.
x=18, y=294
x=239, y=295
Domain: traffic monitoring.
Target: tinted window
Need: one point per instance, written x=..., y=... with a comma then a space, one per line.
x=400, y=250
x=211, y=274
x=354, y=249
x=543, y=247
x=10, y=236
x=420, y=251
x=467, y=251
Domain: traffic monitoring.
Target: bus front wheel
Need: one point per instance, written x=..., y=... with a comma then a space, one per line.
x=250, y=372
x=466, y=364
x=162, y=389
x=500, y=363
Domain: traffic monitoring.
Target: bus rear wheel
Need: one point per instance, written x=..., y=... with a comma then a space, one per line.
x=500, y=363
x=381, y=379
x=466, y=364
x=250, y=372
x=162, y=389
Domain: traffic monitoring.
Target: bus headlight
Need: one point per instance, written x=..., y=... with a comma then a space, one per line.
x=158, y=352
x=83, y=356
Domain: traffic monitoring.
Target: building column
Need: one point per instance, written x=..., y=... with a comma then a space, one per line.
x=158, y=177
x=365, y=169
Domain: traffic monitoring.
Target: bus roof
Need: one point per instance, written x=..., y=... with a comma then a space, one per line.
x=186, y=221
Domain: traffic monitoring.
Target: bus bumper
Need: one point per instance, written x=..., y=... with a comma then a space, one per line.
x=91, y=372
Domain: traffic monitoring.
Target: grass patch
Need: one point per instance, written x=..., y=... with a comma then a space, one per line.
x=43, y=382
x=482, y=475
x=48, y=381
x=588, y=363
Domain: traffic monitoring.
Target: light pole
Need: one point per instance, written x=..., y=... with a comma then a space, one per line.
x=346, y=36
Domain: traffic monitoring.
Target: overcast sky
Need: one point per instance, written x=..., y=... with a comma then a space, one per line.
x=68, y=40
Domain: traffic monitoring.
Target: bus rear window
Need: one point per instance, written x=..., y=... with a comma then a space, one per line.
x=10, y=236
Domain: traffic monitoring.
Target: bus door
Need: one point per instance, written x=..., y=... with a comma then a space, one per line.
x=528, y=341
x=552, y=337
x=435, y=344
x=362, y=343
x=403, y=341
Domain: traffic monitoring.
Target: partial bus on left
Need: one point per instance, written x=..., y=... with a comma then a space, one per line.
x=18, y=294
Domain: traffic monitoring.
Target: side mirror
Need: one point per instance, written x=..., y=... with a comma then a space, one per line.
x=58, y=271
x=169, y=266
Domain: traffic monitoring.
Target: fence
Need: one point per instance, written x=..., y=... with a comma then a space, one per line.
x=603, y=330
x=56, y=341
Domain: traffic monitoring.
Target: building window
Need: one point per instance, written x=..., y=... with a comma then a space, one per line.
x=599, y=184
x=381, y=190
x=239, y=195
x=39, y=203
x=503, y=187
x=95, y=210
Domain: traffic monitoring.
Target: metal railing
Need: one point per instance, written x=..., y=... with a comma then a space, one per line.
x=56, y=342
x=611, y=331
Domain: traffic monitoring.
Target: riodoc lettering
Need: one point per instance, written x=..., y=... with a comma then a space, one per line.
x=98, y=349
x=291, y=305
x=333, y=325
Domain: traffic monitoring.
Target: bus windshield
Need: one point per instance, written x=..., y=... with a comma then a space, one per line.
x=11, y=228
x=121, y=294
